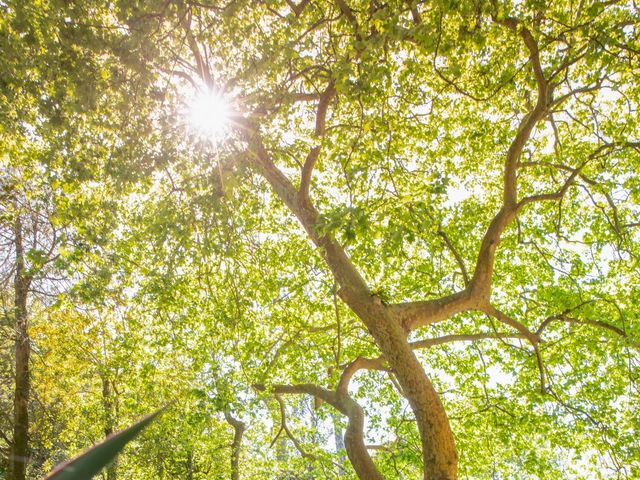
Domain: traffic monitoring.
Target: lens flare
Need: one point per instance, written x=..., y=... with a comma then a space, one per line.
x=209, y=114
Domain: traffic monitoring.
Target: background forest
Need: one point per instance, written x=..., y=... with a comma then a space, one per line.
x=339, y=238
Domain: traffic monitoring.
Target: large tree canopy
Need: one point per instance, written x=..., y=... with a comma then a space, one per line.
x=424, y=216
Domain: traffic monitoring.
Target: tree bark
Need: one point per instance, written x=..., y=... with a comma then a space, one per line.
x=438, y=446
x=354, y=436
x=19, y=453
x=354, y=442
x=236, y=447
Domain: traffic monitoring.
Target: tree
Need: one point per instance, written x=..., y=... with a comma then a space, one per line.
x=366, y=118
x=29, y=239
x=424, y=207
x=39, y=126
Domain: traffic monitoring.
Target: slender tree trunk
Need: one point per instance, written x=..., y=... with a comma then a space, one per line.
x=109, y=422
x=236, y=447
x=19, y=454
x=357, y=451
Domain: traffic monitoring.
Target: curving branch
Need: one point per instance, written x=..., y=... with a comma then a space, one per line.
x=413, y=315
x=507, y=320
x=574, y=174
x=530, y=120
x=557, y=195
x=239, y=428
x=359, y=363
x=284, y=427
x=481, y=281
x=352, y=283
x=354, y=435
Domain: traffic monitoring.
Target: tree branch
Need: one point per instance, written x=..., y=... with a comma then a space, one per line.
x=347, y=12
x=531, y=119
x=354, y=435
x=303, y=388
x=456, y=254
x=298, y=8
x=471, y=337
x=540, y=364
x=238, y=431
x=283, y=426
x=358, y=364
x=594, y=323
x=412, y=315
x=504, y=318
x=354, y=290
x=545, y=197
x=202, y=68
x=575, y=173
x=314, y=153
x=481, y=282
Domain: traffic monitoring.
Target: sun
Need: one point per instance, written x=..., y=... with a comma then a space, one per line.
x=209, y=114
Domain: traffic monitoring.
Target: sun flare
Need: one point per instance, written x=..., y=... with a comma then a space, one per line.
x=209, y=114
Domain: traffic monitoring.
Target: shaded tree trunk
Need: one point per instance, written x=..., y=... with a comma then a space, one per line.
x=19, y=453
x=108, y=404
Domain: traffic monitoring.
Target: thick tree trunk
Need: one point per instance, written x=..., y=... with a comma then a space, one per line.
x=19, y=454
x=439, y=452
